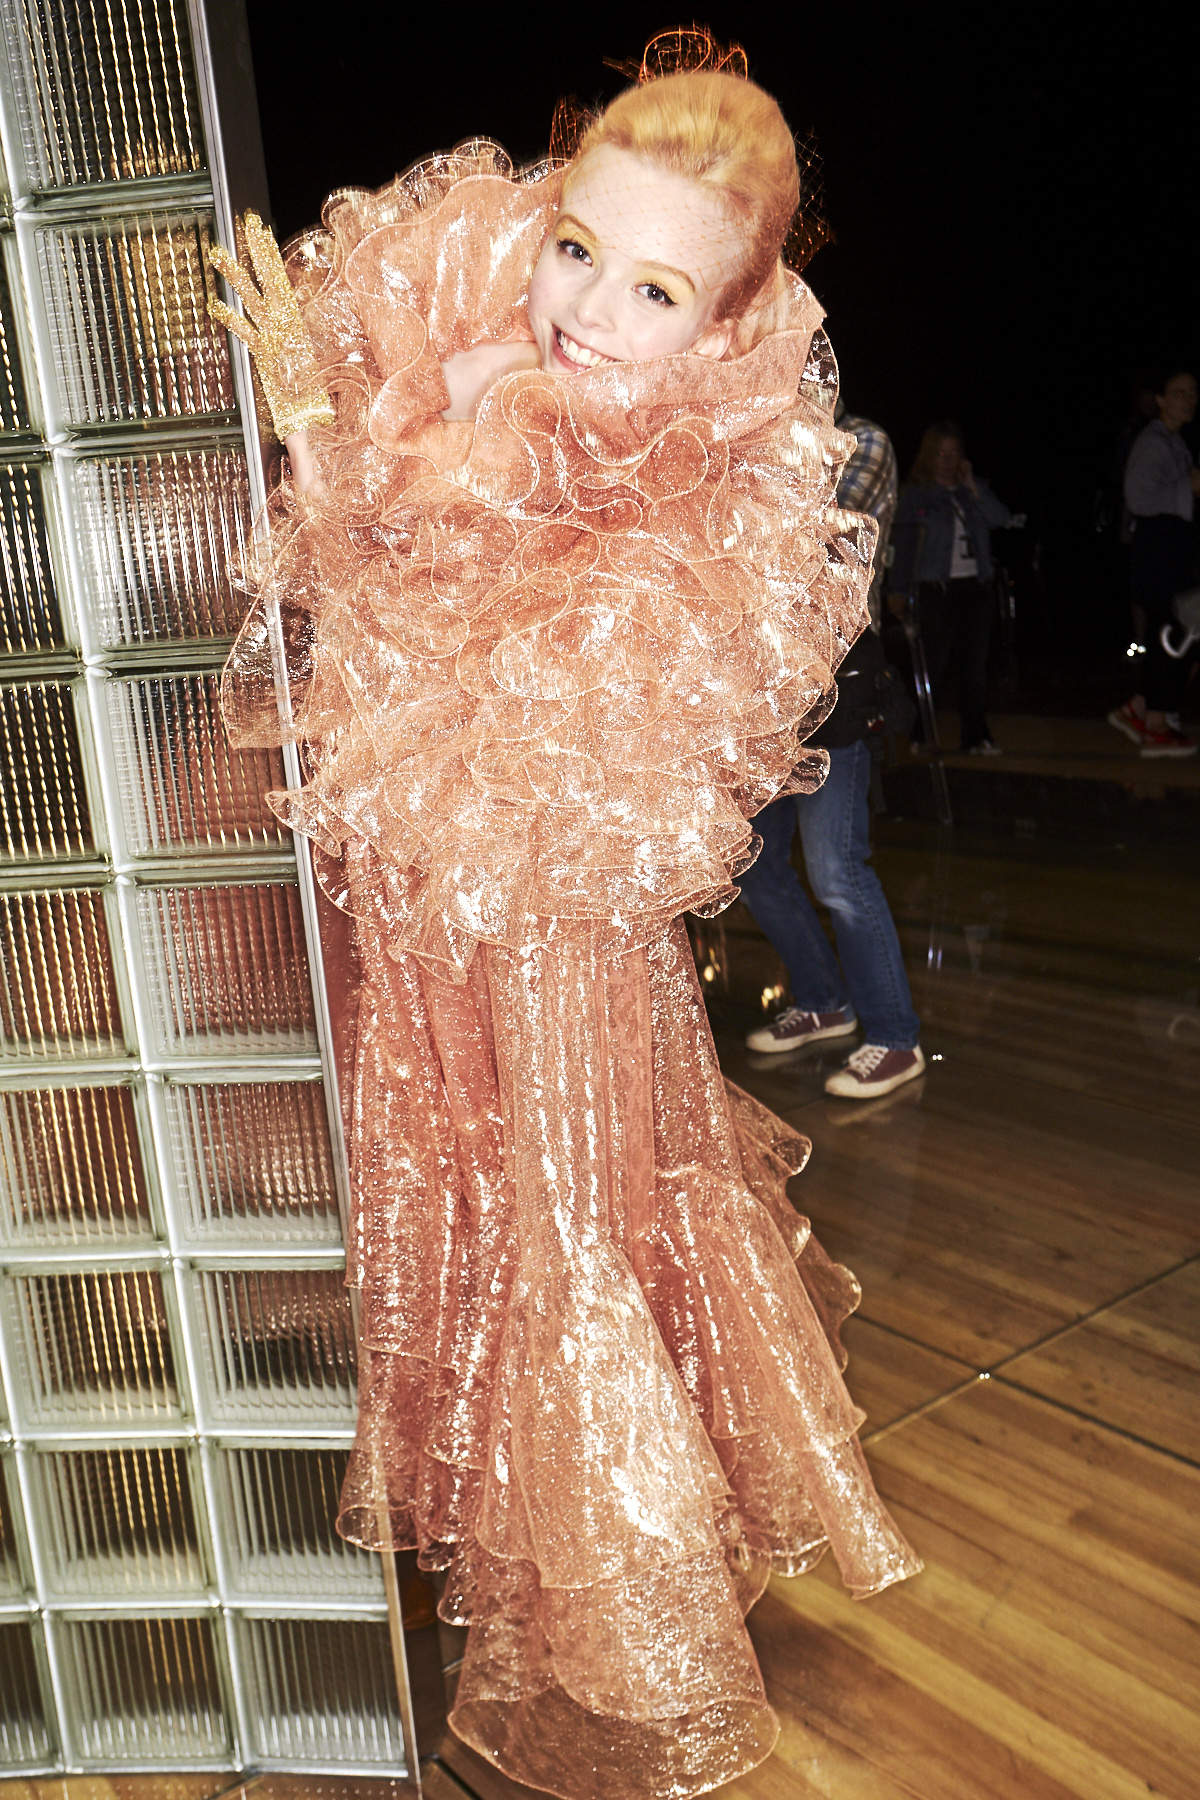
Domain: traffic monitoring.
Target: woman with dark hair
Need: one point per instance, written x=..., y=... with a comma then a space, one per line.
x=942, y=538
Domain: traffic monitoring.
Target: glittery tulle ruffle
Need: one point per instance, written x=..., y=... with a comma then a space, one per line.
x=549, y=667
x=545, y=670
x=603, y=1388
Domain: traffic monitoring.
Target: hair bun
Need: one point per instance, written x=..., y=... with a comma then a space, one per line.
x=683, y=51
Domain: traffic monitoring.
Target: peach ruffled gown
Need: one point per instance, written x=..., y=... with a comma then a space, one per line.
x=545, y=669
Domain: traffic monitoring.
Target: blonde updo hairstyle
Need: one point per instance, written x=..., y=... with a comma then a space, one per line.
x=725, y=133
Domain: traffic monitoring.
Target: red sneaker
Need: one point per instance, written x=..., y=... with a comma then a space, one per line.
x=1167, y=742
x=1126, y=720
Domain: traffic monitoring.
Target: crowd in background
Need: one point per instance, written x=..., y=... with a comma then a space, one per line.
x=941, y=566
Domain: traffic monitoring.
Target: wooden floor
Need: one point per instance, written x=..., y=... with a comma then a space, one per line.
x=1025, y=1222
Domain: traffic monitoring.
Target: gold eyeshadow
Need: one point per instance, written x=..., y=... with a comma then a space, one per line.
x=651, y=274
x=651, y=279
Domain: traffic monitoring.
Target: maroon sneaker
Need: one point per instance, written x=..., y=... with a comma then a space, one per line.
x=873, y=1070
x=795, y=1028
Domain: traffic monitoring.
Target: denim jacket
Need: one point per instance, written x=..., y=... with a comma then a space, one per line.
x=926, y=556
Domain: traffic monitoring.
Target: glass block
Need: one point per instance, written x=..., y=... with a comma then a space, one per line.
x=117, y=1522
x=58, y=996
x=325, y=1690
x=126, y=305
x=11, y=1584
x=282, y=1505
x=253, y=1162
x=103, y=93
x=43, y=804
x=92, y=1347
x=182, y=786
x=29, y=613
x=71, y=1168
x=159, y=535
x=26, y=1737
x=227, y=969
x=143, y=1690
x=278, y=1346
x=14, y=413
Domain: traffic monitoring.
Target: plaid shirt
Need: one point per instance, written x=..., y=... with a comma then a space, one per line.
x=870, y=484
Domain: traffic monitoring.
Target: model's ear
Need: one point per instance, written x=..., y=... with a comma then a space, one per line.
x=715, y=341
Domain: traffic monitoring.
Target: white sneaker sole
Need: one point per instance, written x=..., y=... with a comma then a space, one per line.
x=767, y=1045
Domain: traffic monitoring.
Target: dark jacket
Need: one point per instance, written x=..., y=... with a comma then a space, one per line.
x=923, y=532
x=858, y=701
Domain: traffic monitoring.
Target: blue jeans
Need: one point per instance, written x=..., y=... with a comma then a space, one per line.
x=836, y=836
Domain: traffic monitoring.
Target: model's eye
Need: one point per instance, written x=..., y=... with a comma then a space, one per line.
x=653, y=292
x=570, y=247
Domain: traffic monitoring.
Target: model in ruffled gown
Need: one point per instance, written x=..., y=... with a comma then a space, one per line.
x=564, y=586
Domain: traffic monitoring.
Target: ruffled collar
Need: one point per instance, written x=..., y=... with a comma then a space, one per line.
x=440, y=261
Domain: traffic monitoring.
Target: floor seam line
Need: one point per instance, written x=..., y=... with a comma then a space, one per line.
x=905, y=1337
x=1076, y=1412
x=920, y=1412
x=869, y=1439
x=1097, y=1312
x=1050, y=1337
x=994, y=1371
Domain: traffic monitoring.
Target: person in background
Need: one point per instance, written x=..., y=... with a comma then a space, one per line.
x=835, y=831
x=942, y=541
x=1112, y=511
x=1142, y=408
x=869, y=485
x=1161, y=484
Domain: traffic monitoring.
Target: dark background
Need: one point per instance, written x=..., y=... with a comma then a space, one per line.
x=1013, y=204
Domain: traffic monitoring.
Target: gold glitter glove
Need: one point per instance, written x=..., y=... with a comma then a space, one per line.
x=273, y=331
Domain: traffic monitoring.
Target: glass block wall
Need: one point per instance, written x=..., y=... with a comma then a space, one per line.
x=177, y=1350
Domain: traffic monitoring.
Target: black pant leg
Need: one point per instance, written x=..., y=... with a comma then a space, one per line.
x=1160, y=566
x=936, y=625
x=973, y=610
x=1164, y=678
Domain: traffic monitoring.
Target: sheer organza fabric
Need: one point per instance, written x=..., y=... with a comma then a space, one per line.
x=546, y=668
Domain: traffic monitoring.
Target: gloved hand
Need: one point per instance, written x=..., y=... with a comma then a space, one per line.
x=273, y=331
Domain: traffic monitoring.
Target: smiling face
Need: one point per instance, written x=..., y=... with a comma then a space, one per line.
x=633, y=268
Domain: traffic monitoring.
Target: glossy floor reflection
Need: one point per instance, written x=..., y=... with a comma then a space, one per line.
x=1025, y=1221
